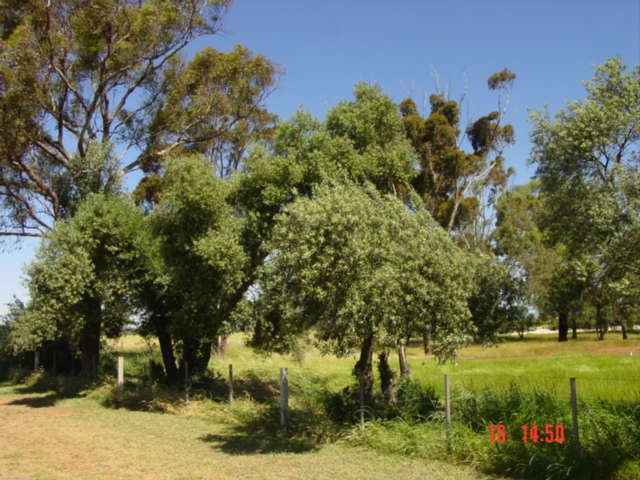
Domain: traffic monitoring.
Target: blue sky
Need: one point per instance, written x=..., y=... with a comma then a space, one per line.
x=326, y=47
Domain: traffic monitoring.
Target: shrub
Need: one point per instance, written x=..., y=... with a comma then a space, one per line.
x=415, y=401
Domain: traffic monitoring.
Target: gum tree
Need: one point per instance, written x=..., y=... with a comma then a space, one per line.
x=587, y=160
x=73, y=74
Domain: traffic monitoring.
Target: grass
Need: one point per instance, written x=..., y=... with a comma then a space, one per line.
x=77, y=438
x=57, y=428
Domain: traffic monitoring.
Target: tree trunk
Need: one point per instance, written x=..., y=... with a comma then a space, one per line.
x=166, y=349
x=624, y=331
x=563, y=326
x=90, y=338
x=220, y=346
x=405, y=368
x=426, y=340
x=601, y=323
x=364, y=370
x=387, y=380
x=574, y=327
x=197, y=353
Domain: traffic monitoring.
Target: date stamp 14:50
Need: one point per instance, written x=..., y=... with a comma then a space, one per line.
x=550, y=433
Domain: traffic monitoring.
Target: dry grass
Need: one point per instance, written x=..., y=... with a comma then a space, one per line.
x=76, y=438
x=43, y=436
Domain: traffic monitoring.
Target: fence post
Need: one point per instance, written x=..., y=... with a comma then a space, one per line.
x=361, y=399
x=36, y=359
x=574, y=415
x=120, y=373
x=447, y=408
x=230, y=383
x=284, y=397
x=186, y=382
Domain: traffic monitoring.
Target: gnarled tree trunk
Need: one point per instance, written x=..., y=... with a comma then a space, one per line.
x=166, y=349
x=364, y=369
x=405, y=368
x=387, y=379
x=90, y=338
x=426, y=340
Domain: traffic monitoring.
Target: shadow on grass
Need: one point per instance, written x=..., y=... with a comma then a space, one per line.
x=147, y=396
x=262, y=434
x=247, y=444
x=45, y=391
x=37, y=402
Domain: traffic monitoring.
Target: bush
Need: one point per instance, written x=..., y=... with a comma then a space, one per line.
x=416, y=402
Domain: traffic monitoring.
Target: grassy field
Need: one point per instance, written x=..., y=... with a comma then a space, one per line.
x=608, y=369
x=51, y=430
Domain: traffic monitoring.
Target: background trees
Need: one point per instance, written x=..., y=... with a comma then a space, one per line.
x=588, y=161
x=456, y=185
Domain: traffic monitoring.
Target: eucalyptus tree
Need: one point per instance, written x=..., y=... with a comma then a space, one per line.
x=588, y=161
x=111, y=72
x=454, y=183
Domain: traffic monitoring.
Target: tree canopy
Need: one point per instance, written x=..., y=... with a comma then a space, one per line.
x=73, y=74
x=360, y=268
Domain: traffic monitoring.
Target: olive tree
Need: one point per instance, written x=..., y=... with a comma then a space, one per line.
x=362, y=270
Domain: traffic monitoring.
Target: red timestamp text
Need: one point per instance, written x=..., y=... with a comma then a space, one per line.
x=550, y=433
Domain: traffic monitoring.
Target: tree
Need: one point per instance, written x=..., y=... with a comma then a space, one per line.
x=84, y=278
x=497, y=297
x=361, y=270
x=587, y=161
x=73, y=74
x=197, y=272
x=452, y=182
x=362, y=140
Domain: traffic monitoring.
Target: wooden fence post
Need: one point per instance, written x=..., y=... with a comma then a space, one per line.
x=447, y=408
x=186, y=382
x=120, y=373
x=574, y=415
x=284, y=398
x=230, y=383
x=361, y=399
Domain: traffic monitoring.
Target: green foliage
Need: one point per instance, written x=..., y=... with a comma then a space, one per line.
x=497, y=298
x=93, y=256
x=415, y=401
x=351, y=263
x=361, y=141
x=75, y=74
x=197, y=269
x=590, y=151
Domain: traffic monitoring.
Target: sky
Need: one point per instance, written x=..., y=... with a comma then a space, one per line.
x=413, y=48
